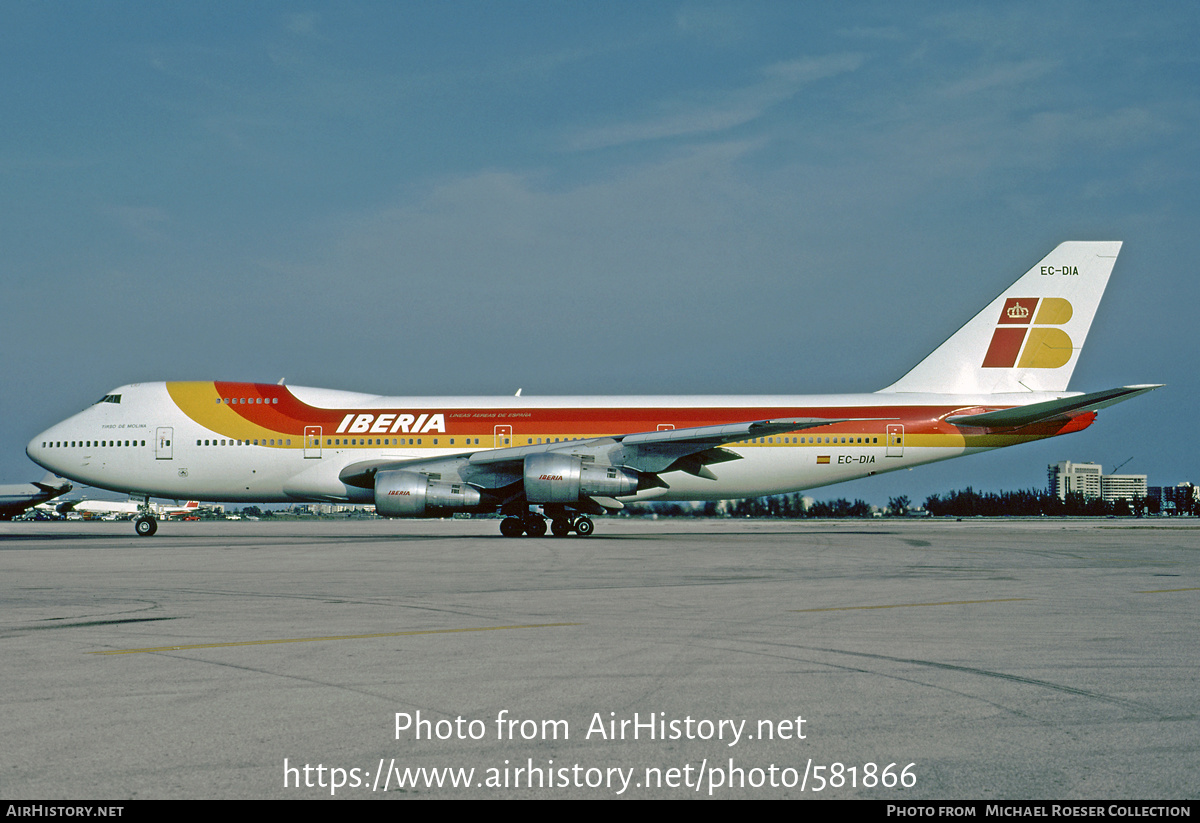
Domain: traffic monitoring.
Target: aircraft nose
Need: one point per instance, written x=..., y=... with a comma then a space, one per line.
x=37, y=449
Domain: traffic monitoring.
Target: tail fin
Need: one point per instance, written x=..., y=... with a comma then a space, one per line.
x=1028, y=339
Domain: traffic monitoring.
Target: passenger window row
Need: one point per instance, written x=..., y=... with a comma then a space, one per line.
x=270, y=401
x=394, y=441
x=400, y=441
x=103, y=444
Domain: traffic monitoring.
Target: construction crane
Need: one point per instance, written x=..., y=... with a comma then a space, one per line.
x=1118, y=468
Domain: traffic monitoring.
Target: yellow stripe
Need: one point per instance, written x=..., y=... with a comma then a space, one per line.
x=198, y=400
x=332, y=637
x=913, y=605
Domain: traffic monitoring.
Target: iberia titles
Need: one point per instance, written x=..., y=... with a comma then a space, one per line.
x=391, y=423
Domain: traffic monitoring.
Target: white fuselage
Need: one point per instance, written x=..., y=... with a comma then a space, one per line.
x=200, y=441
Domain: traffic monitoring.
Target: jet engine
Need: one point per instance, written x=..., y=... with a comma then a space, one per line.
x=565, y=478
x=411, y=494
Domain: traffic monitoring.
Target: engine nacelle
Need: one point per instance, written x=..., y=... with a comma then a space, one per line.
x=411, y=494
x=564, y=478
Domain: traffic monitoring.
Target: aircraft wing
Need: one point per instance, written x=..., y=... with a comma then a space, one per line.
x=1061, y=409
x=690, y=450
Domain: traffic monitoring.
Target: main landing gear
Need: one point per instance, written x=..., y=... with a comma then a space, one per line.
x=534, y=525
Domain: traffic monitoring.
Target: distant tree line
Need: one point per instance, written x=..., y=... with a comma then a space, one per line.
x=1033, y=503
x=961, y=503
x=784, y=506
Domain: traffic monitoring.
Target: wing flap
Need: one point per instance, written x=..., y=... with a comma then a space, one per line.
x=730, y=433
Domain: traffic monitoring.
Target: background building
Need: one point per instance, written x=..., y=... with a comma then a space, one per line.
x=1089, y=480
x=1114, y=487
x=1082, y=478
x=1179, y=499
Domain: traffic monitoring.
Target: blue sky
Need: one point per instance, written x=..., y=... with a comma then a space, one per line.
x=591, y=198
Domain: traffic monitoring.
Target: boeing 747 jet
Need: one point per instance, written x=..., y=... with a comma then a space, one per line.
x=998, y=381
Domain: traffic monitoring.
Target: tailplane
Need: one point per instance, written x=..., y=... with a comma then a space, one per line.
x=1028, y=339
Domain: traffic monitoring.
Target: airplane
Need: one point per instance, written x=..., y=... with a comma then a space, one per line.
x=998, y=381
x=16, y=499
x=122, y=508
x=189, y=509
x=100, y=508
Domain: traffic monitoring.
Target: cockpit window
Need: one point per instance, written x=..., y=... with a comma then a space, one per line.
x=108, y=398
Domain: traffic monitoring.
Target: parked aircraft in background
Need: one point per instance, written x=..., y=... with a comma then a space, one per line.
x=101, y=508
x=123, y=508
x=189, y=509
x=17, y=498
x=1000, y=380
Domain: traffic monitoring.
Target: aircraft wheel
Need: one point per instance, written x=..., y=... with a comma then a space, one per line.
x=560, y=528
x=535, y=527
x=512, y=527
x=145, y=526
x=584, y=526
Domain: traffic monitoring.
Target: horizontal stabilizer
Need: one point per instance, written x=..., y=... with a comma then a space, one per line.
x=1050, y=410
x=53, y=483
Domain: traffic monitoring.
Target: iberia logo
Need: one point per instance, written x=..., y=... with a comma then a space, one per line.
x=1028, y=331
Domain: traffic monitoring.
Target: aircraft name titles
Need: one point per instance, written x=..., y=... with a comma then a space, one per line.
x=391, y=423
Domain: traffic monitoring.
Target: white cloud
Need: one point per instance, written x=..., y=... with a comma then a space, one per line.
x=1004, y=75
x=721, y=111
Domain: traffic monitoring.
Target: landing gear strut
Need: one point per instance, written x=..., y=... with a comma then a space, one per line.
x=145, y=525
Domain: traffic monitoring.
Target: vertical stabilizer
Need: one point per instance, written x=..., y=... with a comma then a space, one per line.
x=1028, y=339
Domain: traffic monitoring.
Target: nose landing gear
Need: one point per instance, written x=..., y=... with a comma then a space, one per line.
x=145, y=525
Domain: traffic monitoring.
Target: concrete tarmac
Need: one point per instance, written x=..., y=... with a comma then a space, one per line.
x=880, y=659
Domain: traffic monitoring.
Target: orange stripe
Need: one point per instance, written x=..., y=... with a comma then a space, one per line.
x=281, y=413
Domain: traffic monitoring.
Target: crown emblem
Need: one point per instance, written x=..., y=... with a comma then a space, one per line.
x=1017, y=311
